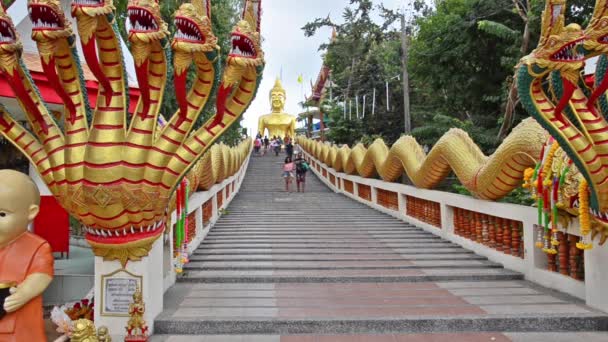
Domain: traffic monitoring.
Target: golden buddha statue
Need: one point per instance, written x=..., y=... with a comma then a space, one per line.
x=277, y=123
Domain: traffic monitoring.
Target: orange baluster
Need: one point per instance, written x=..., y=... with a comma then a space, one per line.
x=506, y=237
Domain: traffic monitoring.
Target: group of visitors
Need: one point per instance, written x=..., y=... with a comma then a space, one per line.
x=262, y=144
x=300, y=166
x=292, y=168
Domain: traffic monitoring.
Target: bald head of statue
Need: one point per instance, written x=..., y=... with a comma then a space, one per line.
x=19, y=204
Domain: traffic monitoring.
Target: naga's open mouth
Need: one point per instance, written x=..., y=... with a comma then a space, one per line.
x=603, y=39
x=569, y=52
x=7, y=35
x=599, y=216
x=44, y=18
x=188, y=31
x=117, y=236
x=141, y=20
x=242, y=46
x=88, y=3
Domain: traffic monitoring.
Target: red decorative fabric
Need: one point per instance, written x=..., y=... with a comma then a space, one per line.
x=53, y=224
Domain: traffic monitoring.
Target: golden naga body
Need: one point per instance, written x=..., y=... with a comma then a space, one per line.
x=488, y=178
x=117, y=177
x=278, y=123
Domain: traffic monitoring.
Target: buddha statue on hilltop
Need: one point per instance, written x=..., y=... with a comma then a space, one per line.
x=277, y=123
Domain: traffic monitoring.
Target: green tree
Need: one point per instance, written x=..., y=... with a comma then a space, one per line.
x=462, y=58
x=363, y=56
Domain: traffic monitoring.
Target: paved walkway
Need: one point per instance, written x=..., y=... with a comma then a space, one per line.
x=318, y=266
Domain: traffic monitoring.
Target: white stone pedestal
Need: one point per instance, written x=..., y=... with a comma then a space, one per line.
x=596, y=277
x=151, y=272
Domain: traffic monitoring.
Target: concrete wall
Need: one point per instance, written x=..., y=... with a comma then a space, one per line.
x=532, y=265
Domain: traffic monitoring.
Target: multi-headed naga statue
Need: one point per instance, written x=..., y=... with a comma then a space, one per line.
x=113, y=173
x=573, y=172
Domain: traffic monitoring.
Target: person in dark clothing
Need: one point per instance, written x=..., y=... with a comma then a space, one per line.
x=289, y=149
x=301, y=169
x=266, y=143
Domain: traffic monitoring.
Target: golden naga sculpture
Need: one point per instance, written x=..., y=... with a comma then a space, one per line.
x=572, y=177
x=221, y=162
x=115, y=176
x=278, y=123
x=217, y=164
x=488, y=178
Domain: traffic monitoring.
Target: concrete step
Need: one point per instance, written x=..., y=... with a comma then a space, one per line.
x=335, y=257
x=348, y=275
x=315, y=251
x=336, y=265
x=552, y=336
x=328, y=244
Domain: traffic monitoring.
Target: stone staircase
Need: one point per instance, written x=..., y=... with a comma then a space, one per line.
x=317, y=266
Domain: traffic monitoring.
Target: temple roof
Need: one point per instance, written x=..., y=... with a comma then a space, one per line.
x=32, y=61
x=19, y=13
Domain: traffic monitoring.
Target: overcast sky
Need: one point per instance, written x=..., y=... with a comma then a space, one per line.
x=286, y=48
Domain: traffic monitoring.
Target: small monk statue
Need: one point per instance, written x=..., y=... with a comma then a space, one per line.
x=277, y=123
x=25, y=259
x=137, y=329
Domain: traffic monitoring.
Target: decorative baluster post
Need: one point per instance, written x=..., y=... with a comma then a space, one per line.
x=492, y=231
x=457, y=221
x=551, y=265
x=516, y=242
x=470, y=231
x=573, y=256
x=499, y=235
x=506, y=237
x=485, y=235
x=478, y=228
x=563, y=253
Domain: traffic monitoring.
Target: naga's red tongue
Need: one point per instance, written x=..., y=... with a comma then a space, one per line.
x=181, y=96
x=51, y=74
x=90, y=54
x=144, y=88
x=22, y=94
x=599, y=91
x=569, y=88
x=222, y=98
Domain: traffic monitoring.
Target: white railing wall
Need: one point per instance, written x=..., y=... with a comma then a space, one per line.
x=532, y=263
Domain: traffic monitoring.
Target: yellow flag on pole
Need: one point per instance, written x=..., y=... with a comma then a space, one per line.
x=300, y=79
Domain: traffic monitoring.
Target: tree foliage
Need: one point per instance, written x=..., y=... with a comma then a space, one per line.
x=461, y=58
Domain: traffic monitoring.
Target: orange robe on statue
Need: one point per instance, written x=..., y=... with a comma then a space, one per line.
x=28, y=254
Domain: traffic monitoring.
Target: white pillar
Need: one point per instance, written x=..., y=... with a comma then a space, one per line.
x=596, y=277
x=148, y=272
